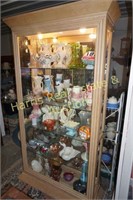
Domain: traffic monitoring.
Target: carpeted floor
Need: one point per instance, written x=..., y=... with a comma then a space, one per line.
x=13, y=193
x=10, y=179
x=11, y=168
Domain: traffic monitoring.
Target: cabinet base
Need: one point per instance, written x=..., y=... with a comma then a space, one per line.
x=49, y=189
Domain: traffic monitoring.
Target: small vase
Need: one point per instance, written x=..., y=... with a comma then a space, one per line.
x=48, y=83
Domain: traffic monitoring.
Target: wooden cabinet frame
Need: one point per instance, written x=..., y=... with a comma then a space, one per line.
x=91, y=14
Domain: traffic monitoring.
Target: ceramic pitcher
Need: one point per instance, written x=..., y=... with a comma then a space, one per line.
x=48, y=83
x=37, y=85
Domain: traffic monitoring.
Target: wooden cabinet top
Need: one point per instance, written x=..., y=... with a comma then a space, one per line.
x=64, y=17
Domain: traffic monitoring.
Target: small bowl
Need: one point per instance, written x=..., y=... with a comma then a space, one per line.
x=113, y=106
x=106, y=158
x=68, y=176
x=49, y=124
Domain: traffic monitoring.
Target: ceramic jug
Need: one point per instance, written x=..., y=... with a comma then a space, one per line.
x=48, y=83
x=37, y=85
x=61, y=54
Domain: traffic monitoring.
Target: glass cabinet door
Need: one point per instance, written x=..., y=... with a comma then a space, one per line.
x=57, y=71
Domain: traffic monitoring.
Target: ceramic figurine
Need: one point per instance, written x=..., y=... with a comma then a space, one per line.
x=84, y=132
x=44, y=56
x=68, y=153
x=66, y=114
x=36, y=110
x=89, y=59
x=77, y=97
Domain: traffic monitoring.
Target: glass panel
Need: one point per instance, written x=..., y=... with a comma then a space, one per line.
x=57, y=76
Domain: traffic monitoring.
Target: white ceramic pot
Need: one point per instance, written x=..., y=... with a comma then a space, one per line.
x=36, y=166
x=112, y=100
x=110, y=129
x=111, y=124
x=110, y=135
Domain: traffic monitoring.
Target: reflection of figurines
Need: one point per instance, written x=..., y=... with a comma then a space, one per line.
x=11, y=94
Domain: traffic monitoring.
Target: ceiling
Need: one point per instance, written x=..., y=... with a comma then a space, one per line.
x=14, y=7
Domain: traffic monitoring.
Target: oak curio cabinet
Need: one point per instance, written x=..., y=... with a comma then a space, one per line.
x=62, y=58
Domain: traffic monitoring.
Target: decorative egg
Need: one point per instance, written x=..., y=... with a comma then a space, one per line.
x=84, y=132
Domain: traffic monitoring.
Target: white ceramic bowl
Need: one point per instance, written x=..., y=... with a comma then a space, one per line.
x=36, y=166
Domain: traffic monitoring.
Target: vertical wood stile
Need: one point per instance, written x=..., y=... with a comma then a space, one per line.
x=19, y=98
x=105, y=99
x=97, y=105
